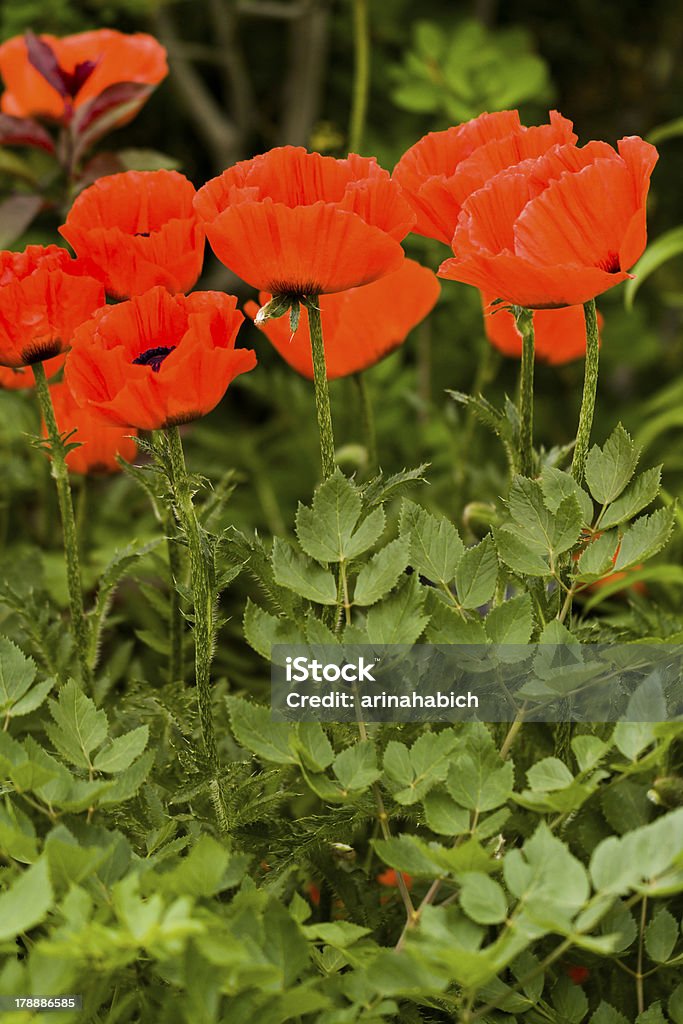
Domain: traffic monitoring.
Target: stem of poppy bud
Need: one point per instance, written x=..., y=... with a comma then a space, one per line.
x=202, y=570
x=322, y=394
x=590, y=388
x=525, y=326
x=361, y=75
x=60, y=474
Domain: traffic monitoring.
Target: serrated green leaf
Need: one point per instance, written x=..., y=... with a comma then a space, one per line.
x=302, y=575
x=381, y=574
x=340, y=934
x=254, y=729
x=79, y=727
x=637, y=496
x=122, y=751
x=510, y=622
x=482, y=898
x=400, y=619
x=356, y=767
x=606, y=1014
x=558, y=485
x=26, y=902
x=610, y=468
x=644, y=538
x=17, y=673
x=598, y=558
x=514, y=551
x=548, y=775
x=434, y=544
x=476, y=574
x=313, y=745
x=448, y=626
x=444, y=816
x=262, y=630
x=327, y=530
x=661, y=936
x=478, y=779
x=543, y=532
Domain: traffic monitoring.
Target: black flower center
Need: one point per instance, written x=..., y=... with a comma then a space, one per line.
x=142, y=234
x=154, y=357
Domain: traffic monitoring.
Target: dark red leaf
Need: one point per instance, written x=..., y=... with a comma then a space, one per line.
x=115, y=105
x=81, y=74
x=22, y=131
x=42, y=57
x=16, y=213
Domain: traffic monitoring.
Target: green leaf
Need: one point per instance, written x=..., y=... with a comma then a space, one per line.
x=606, y=1014
x=312, y=743
x=570, y=1001
x=532, y=875
x=444, y=816
x=653, y=1015
x=644, y=538
x=620, y=864
x=510, y=622
x=476, y=574
x=482, y=898
x=427, y=763
x=598, y=558
x=17, y=673
x=660, y=251
x=514, y=551
x=545, y=533
x=356, y=767
x=675, y=1006
x=588, y=751
x=549, y=775
x=121, y=752
x=262, y=630
x=434, y=543
x=400, y=619
x=661, y=936
x=254, y=729
x=381, y=574
x=302, y=575
x=447, y=625
x=478, y=779
x=339, y=934
x=609, y=469
x=558, y=485
x=26, y=902
x=326, y=529
x=79, y=727
x=637, y=496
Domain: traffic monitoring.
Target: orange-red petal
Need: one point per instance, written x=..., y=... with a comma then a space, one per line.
x=361, y=325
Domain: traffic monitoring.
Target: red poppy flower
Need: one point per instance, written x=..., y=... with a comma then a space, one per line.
x=389, y=877
x=99, y=443
x=361, y=325
x=158, y=359
x=84, y=66
x=44, y=297
x=440, y=171
x=296, y=223
x=136, y=230
x=18, y=378
x=560, y=334
x=557, y=230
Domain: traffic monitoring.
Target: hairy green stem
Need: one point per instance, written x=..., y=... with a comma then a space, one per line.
x=368, y=419
x=60, y=474
x=322, y=394
x=175, y=568
x=590, y=388
x=361, y=75
x=525, y=326
x=202, y=569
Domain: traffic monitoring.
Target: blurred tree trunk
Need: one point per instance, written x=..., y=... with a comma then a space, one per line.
x=308, y=38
